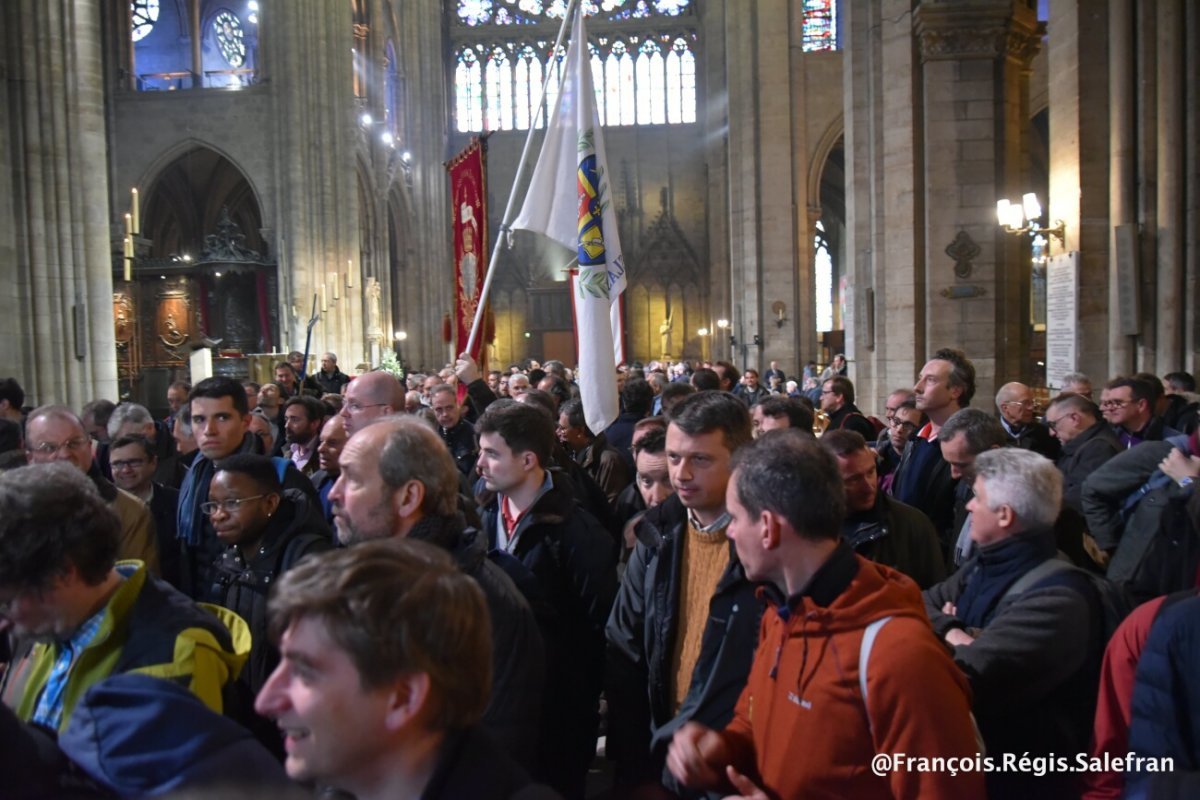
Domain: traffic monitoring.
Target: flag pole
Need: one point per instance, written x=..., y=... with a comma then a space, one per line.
x=506, y=220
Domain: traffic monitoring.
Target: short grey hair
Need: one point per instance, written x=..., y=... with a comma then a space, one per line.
x=413, y=451
x=1023, y=480
x=983, y=431
x=128, y=414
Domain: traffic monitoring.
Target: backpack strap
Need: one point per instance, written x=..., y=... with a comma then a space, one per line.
x=1050, y=566
x=864, y=657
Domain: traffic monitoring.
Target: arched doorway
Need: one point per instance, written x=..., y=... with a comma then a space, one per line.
x=201, y=271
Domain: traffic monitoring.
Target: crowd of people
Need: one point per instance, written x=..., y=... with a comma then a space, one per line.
x=448, y=586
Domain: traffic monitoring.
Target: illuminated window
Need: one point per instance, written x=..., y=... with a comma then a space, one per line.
x=145, y=14
x=641, y=77
x=228, y=31
x=820, y=25
x=823, y=262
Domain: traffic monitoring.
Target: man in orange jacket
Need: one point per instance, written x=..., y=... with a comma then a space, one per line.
x=850, y=694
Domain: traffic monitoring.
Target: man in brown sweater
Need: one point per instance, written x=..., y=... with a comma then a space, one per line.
x=685, y=624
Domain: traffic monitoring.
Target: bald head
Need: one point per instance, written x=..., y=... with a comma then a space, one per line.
x=370, y=396
x=1015, y=401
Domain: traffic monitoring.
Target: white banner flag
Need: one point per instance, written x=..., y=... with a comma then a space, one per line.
x=569, y=201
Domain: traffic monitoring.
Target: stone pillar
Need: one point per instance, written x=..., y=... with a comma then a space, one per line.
x=1170, y=182
x=1122, y=192
x=1086, y=165
x=308, y=53
x=884, y=168
x=56, y=313
x=976, y=58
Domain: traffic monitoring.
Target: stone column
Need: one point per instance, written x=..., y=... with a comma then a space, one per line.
x=308, y=56
x=761, y=183
x=56, y=313
x=1122, y=196
x=1170, y=182
x=976, y=58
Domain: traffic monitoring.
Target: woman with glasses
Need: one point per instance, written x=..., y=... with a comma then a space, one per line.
x=265, y=530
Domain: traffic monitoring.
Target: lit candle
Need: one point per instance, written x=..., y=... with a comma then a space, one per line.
x=128, y=225
x=137, y=219
x=349, y=273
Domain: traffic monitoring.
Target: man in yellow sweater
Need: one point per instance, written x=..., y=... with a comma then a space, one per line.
x=684, y=627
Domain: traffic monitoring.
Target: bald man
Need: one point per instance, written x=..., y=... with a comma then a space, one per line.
x=1016, y=404
x=370, y=396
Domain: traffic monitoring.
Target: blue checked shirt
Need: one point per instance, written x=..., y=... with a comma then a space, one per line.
x=49, y=709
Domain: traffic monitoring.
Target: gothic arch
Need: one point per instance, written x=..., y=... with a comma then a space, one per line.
x=155, y=167
x=830, y=139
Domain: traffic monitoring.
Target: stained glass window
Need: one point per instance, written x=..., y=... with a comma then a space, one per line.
x=820, y=25
x=228, y=31
x=641, y=76
x=144, y=15
x=824, y=279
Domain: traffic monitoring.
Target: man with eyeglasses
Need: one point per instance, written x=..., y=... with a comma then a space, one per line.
x=134, y=464
x=893, y=402
x=370, y=396
x=1016, y=404
x=54, y=433
x=1128, y=406
x=220, y=424
x=1086, y=443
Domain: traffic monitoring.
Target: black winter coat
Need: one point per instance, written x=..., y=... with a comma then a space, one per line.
x=641, y=642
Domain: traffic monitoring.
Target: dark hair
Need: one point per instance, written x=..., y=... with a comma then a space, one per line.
x=799, y=415
x=286, y=365
x=840, y=384
x=52, y=516
x=726, y=372
x=638, y=397
x=314, y=409
x=252, y=385
x=1076, y=402
x=398, y=606
x=1153, y=386
x=983, y=431
x=750, y=371
x=536, y=375
x=100, y=411
x=181, y=385
x=705, y=379
x=140, y=441
x=1138, y=389
x=677, y=389
x=843, y=442
x=789, y=474
x=523, y=428
x=1180, y=381
x=260, y=469
x=962, y=373
x=11, y=435
x=559, y=389
x=541, y=400
x=11, y=391
x=219, y=386
x=573, y=409
x=705, y=412
x=653, y=442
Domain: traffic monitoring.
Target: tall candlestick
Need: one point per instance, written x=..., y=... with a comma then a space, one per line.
x=128, y=258
x=337, y=290
x=136, y=214
x=324, y=305
x=349, y=273
x=128, y=225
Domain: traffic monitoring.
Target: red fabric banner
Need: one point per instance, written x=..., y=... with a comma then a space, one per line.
x=468, y=197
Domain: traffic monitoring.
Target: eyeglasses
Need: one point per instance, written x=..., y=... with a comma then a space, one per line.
x=133, y=463
x=1053, y=424
x=354, y=408
x=1115, y=403
x=902, y=425
x=71, y=445
x=1021, y=403
x=827, y=391
x=228, y=506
